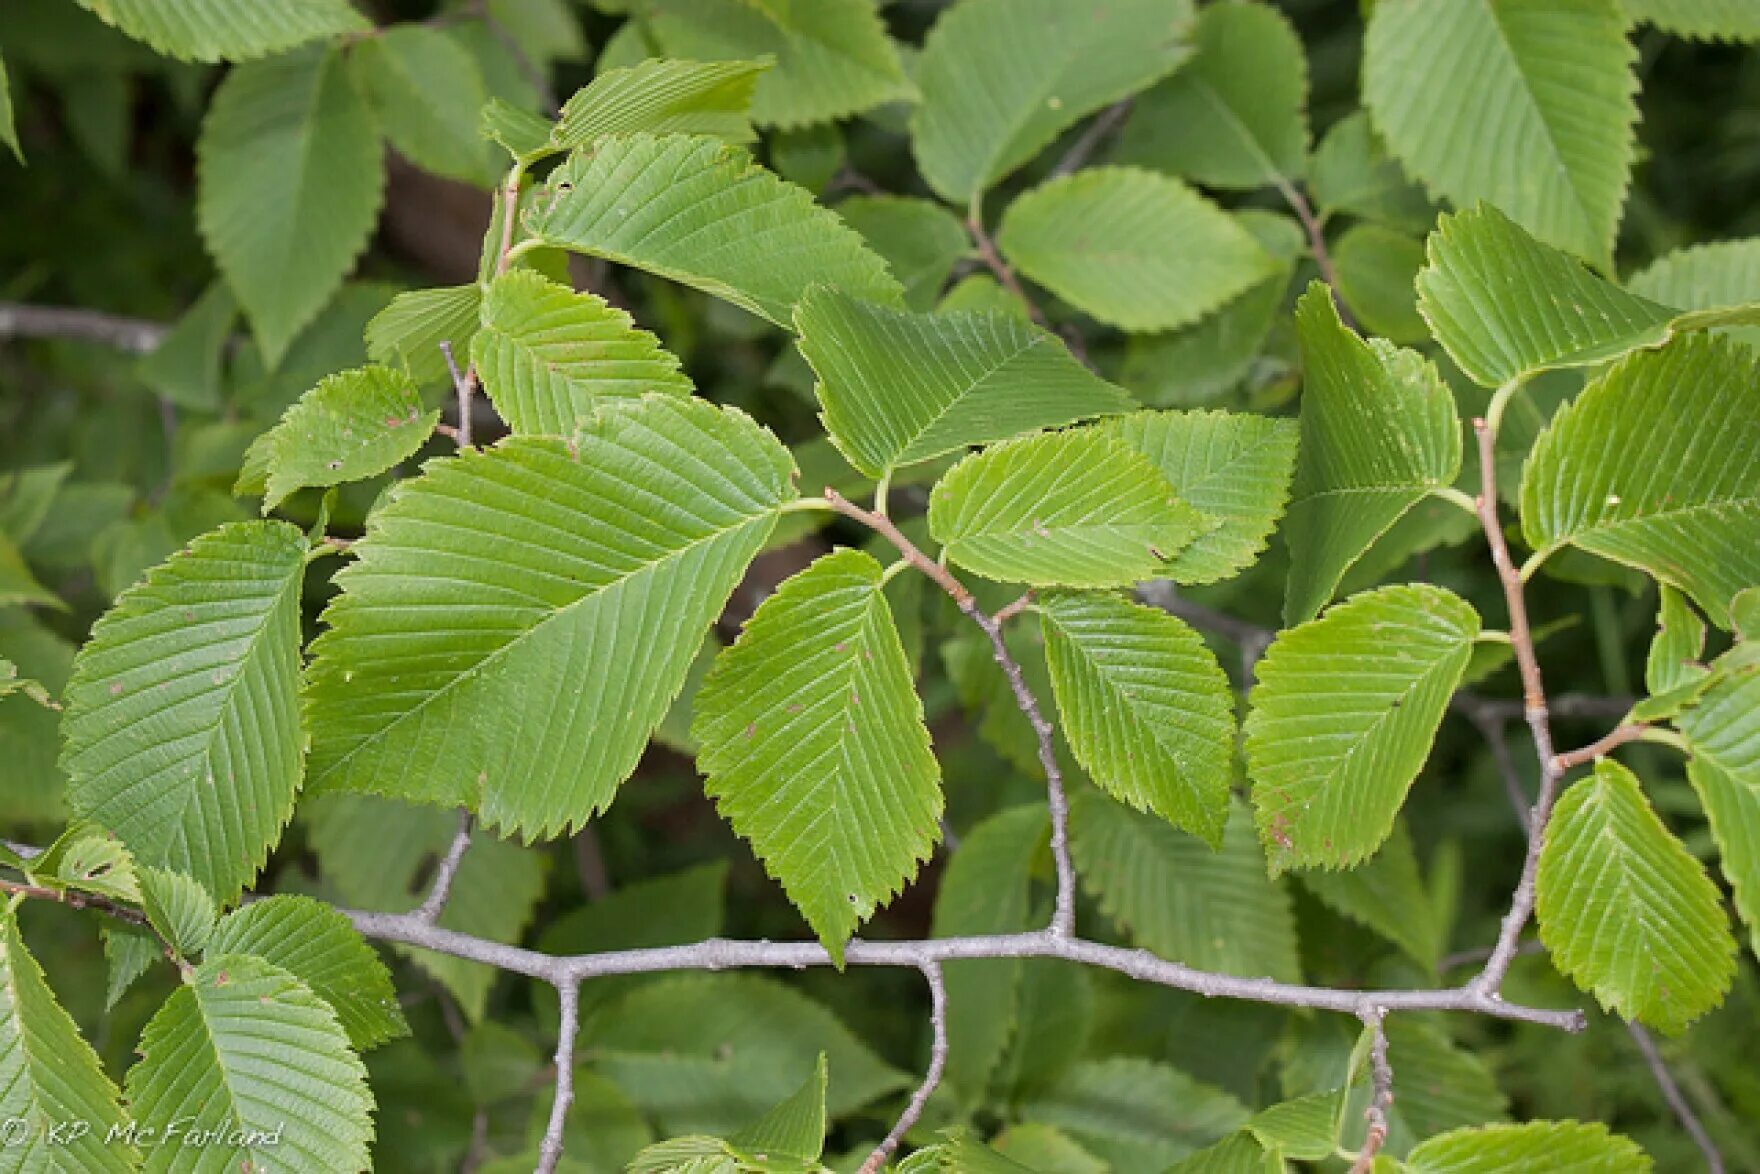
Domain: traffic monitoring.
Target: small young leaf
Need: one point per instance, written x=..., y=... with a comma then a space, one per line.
x=179, y=908
x=814, y=747
x=1343, y=718
x=662, y=97
x=90, y=861
x=1626, y=911
x=1538, y=1147
x=899, y=387
x=1135, y=249
x=794, y=1129
x=1677, y=647
x=1072, y=509
x=1351, y=172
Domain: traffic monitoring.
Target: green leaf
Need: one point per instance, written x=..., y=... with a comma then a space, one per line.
x=182, y=728
x=1725, y=771
x=8, y=126
x=793, y=1129
x=695, y=210
x=1379, y=435
x=1306, y=1128
x=49, y=1074
x=290, y=177
x=17, y=584
x=319, y=946
x=1232, y=467
x=1443, y=1086
x=187, y=365
x=408, y=332
x=426, y=90
x=833, y=57
x=1626, y=911
x=266, y=1064
x=1239, y=1153
x=89, y=860
x=1210, y=909
x=1234, y=117
x=1679, y=643
x=1136, y=1114
x=1002, y=78
x=1134, y=249
x=1146, y=708
x=128, y=953
x=1505, y=306
x=227, y=30
x=523, y=134
x=814, y=747
x=352, y=426
x=1715, y=20
x=900, y=387
x=1352, y=173
x=1045, y=1147
x=1539, y=1147
x=1343, y=717
x=920, y=240
x=1719, y=276
x=1386, y=893
x=179, y=908
x=1073, y=509
x=1376, y=268
x=547, y=355
x=662, y=97
x=1529, y=107
x=960, y=1153
x=552, y=580
x=1652, y=466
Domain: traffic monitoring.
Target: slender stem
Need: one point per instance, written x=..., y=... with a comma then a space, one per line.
x=1316, y=232
x=1454, y=496
x=567, y=1032
x=135, y=335
x=447, y=872
x=1097, y=133
x=1381, y=1100
x=913, y=1112
x=1677, y=1101
x=1009, y=611
x=464, y=385
x=76, y=900
x=509, y=216
x=1599, y=748
x=993, y=261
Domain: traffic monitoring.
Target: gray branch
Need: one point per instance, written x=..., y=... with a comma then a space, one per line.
x=1677, y=1101
x=135, y=335
x=567, y=1032
x=1381, y=1099
x=913, y=1112
x=447, y=872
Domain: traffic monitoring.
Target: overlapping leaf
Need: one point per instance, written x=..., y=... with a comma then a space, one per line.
x=426, y=91
x=1653, y=466
x=1379, y=434
x=547, y=355
x=1352, y=172
x=1626, y=911
x=1147, y=710
x=1135, y=249
x=814, y=747
x=290, y=178
x=1212, y=909
x=1386, y=893
x=178, y=908
x=1725, y=770
x=227, y=30
x=693, y=209
x=408, y=332
x=576, y=580
x=248, y=1050
x=1136, y=1114
x=1543, y=1147
x=1071, y=509
x=900, y=387
x=1718, y=276
x=1232, y=467
x=1343, y=717
x=1002, y=78
x=1718, y=20
x=662, y=97
x=182, y=728
x=920, y=240
x=1528, y=106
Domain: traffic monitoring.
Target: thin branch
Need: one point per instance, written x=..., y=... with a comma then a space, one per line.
x=435, y=903
x=1494, y=728
x=1097, y=133
x=1003, y=271
x=135, y=335
x=464, y=385
x=1253, y=639
x=1009, y=611
x=568, y=1031
x=1381, y=1077
x=1316, y=231
x=76, y=900
x=1478, y=954
x=1600, y=747
x=919, y=1101
x=1677, y=1101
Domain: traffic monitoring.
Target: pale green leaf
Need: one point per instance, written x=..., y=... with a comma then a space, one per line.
x=263, y=1061
x=1233, y=468
x=920, y=240
x=1002, y=78
x=832, y=57
x=1718, y=276
x=1236, y=115
x=352, y=426
x=1505, y=306
x=1376, y=269
x=547, y=355
x=128, y=953
x=547, y=577
x=182, y=728
x=695, y=210
x=1528, y=106
x=1146, y=708
x=662, y=97
x=8, y=127
x=814, y=748
x=317, y=945
x=1072, y=509
x=1679, y=643
x=1136, y=1114
x=1379, y=435
x=179, y=909
x=1653, y=466
x=1386, y=893
x=900, y=387
x=1626, y=911
x=1210, y=909
x=49, y=1074
x=227, y=30
x=1538, y=1147
x=1710, y=20
x=409, y=331
x=1744, y=613
x=961, y=1153
x=1135, y=249
x=525, y=135
x=426, y=91
x=1725, y=771
x=290, y=176
x=1351, y=172
x=1343, y=717
x=1046, y=1148
x=1306, y=1128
